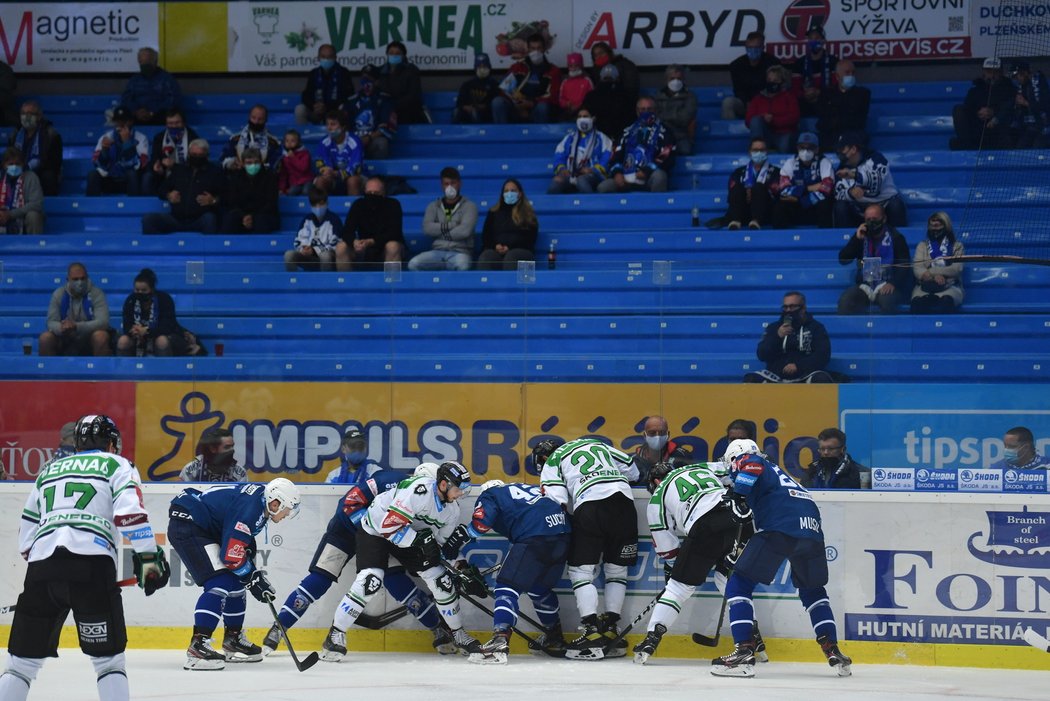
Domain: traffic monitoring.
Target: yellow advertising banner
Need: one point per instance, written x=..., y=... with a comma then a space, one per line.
x=295, y=429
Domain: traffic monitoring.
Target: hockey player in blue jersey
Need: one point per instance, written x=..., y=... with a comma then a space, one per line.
x=787, y=525
x=538, y=531
x=336, y=549
x=213, y=531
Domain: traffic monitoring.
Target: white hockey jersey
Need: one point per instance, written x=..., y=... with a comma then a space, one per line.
x=587, y=470
x=412, y=505
x=685, y=495
x=84, y=503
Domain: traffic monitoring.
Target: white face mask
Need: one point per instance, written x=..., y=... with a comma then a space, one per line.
x=675, y=85
x=536, y=56
x=575, y=72
x=451, y=192
x=584, y=123
x=805, y=155
x=656, y=442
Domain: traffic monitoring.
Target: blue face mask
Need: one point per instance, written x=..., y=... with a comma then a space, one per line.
x=758, y=157
x=319, y=212
x=328, y=63
x=14, y=171
x=1010, y=455
x=356, y=457
x=510, y=197
x=848, y=81
x=754, y=52
x=814, y=46
x=395, y=59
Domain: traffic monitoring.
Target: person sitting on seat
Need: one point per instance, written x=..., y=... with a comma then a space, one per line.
x=372, y=115
x=21, y=197
x=795, y=349
x=317, y=237
x=152, y=92
x=373, y=233
x=399, y=78
x=748, y=75
x=676, y=108
x=77, y=318
x=41, y=144
x=753, y=189
x=983, y=119
x=121, y=157
x=644, y=154
x=510, y=230
x=150, y=323
x=171, y=145
x=194, y=190
x=295, y=169
x=582, y=157
x=575, y=86
x=807, y=181
x=883, y=263
x=863, y=177
x=843, y=107
x=772, y=115
x=339, y=158
x=327, y=87
x=529, y=95
x=474, y=101
x=450, y=221
x=938, y=269
x=254, y=135
x=814, y=73
x=251, y=199
x=1031, y=123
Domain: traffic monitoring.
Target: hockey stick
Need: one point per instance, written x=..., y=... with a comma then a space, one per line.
x=367, y=620
x=533, y=643
x=623, y=633
x=310, y=660
x=130, y=581
x=1036, y=640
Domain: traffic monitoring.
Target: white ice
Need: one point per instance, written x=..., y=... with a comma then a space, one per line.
x=157, y=675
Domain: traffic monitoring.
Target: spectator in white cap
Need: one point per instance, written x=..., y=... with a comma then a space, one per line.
x=807, y=186
x=983, y=120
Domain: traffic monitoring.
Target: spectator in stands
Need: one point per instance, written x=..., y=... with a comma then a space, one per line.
x=254, y=135
x=676, y=108
x=339, y=158
x=450, y=221
x=608, y=102
x=530, y=95
x=170, y=146
x=748, y=73
x=400, y=79
x=1019, y=451
x=354, y=464
x=474, y=101
x=121, y=157
x=983, y=119
x=194, y=190
x=327, y=87
x=834, y=468
x=66, y=441
x=21, y=197
x=317, y=237
x=796, y=348
x=657, y=446
x=938, y=282
x=510, y=230
x=373, y=231
x=883, y=263
x=251, y=199
x=152, y=92
x=77, y=318
x=214, y=461
x=575, y=86
x=602, y=55
x=582, y=157
x=150, y=323
x=644, y=154
x=1031, y=123
x=772, y=115
x=863, y=177
x=843, y=107
x=37, y=138
x=295, y=170
x=753, y=189
x=8, y=105
x=807, y=181
x=814, y=73
x=372, y=115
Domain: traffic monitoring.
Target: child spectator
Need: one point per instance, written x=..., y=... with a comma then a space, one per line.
x=120, y=158
x=317, y=237
x=294, y=171
x=339, y=158
x=575, y=87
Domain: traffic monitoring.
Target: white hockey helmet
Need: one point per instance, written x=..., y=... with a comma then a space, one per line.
x=429, y=469
x=489, y=484
x=740, y=446
x=285, y=493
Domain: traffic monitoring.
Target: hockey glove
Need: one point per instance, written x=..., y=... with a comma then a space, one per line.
x=456, y=541
x=469, y=580
x=737, y=505
x=260, y=586
x=151, y=570
x=424, y=552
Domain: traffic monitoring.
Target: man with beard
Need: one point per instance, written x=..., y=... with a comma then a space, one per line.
x=214, y=461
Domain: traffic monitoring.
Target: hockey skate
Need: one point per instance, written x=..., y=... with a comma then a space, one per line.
x=607, y=627
x=495, y=651
x=200, y=655
x=647, y=648
x=237, y=647
x=760, y=645
x=333, y=649
x=739, y=663
x=272, y=640
x=444, y=643
x=841, y=663
x=467, y=645
x=550, y=642
x=590, y=645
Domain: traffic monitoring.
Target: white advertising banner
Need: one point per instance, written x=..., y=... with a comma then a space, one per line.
x=445, y=35
x=76, y=37
x=1018, y=28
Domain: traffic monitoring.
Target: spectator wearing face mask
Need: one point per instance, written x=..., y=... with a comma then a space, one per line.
x=373, y=232
x=450, y=221
x=529, y=95
x=327, y=86
x=510, y=230
x=676, y=108
x=843, y=107
x=400, y=79
x=609, y=103
x=77, y=318
x=317, y=238
x=152, y=92
x=295, y=169
x=474, y=100
x=644, y=154
x=120, y=158
x=795, y=349
x=254, y=135
x=814, y=73
x=1019, y=451
x=372, y=115
x=575, y=86
x=339, y=158
x=983, y=119
x=883, y=263
x=938, y=280
x=658, y=447
x=581, y=159
x=354, y=465
x=215, y=461
x=1031, y=115
x=807, y=181
x=772, y=114
x=21, y=197
x=864, y=177
x=150, y=323
x=194, y=190
x=602, y=55
x=171, y=145
x=251, y=200
x=37, y=138
x=748, y=74
x=834, y=468
x=752, y=190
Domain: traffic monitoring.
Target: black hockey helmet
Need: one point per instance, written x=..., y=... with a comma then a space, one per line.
x=455, y=474
x=543, y=450
x=96, y=432
x=658, y=472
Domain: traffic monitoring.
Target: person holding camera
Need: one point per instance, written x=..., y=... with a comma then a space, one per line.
x=795, y=350
x=883, y=265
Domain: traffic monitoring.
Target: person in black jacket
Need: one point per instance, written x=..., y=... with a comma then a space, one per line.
x=327, y=87
x=834, y=468
x=373, y=232
x=510, y=230
x=983, y=119
x=194, y=189
x=251, y=205
x=796, y=348
x=843, y=107
x=658, y=447
x=474, y=101
x=37, y=138
x=171, y=145
x=400, y=79
x=748, y=73
x=150, y=324
x=883, y=266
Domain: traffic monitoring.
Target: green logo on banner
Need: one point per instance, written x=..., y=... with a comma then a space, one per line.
x=440, y=27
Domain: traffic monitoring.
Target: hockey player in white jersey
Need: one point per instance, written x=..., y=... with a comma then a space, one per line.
x=592, y=481
x=410, y=523
x=72, y=524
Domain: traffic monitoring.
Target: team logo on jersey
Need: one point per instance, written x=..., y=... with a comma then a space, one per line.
x=753, y=468
x=242, y=528
x=93, y=632
x=421, y=489
x=394, y=520
x=236, y=553
x=629, y=551
x=479, y=512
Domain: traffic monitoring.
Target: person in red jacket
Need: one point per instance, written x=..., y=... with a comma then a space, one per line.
x=773, y=114
x=295, y=169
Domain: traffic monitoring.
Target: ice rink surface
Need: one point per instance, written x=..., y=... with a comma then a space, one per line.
x=157, y=675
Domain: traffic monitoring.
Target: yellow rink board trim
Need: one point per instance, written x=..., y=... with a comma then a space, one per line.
x=678, y=646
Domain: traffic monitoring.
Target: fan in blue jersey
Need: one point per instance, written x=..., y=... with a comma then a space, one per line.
x=337, y=548
x=538, y=531
x=787, y=525
x=213, y=531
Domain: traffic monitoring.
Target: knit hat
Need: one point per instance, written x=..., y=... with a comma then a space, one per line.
x=482, y=60
x=808, y=137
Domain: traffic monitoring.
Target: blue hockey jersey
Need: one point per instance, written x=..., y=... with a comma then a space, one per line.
x=233, y=514
x=517, y=512
x=351, y=508
x=779, y=503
